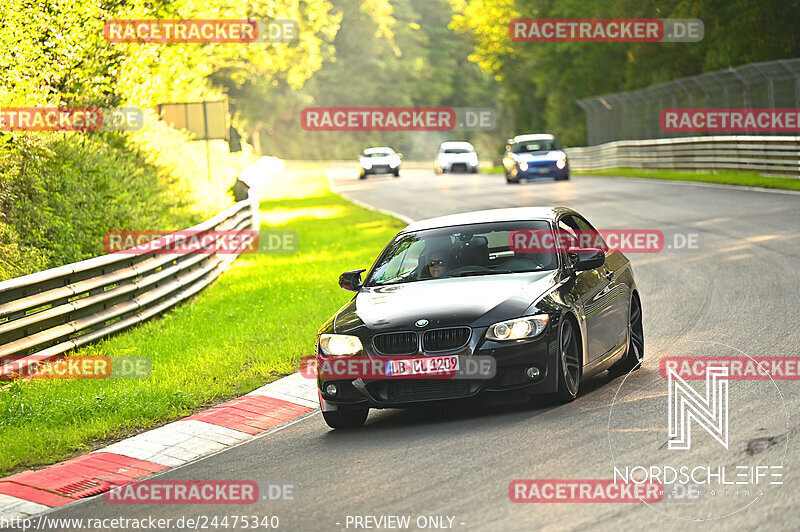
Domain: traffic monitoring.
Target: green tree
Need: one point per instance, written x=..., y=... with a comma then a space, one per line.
x=541, y=82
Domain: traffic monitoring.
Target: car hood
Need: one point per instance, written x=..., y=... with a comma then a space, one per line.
x=458, y=156
x=539, y=156
x=475, y=301
x=380, y=160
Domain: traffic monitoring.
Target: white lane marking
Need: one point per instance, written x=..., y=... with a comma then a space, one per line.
x=199, y=459
x=292, y=399
x=183, y=441
x=176, y=443
x=16, y=508
x=363, y=205
x=294, y=388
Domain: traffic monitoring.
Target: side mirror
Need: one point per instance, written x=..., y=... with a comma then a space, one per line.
x=400, y=155
x=583, y=259
x=351, y=280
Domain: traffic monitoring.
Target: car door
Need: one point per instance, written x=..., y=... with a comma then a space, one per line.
x=618, y=293
x=594, y=294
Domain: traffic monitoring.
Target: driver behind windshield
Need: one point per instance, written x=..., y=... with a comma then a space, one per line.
x=435, y=261
x=438, y=264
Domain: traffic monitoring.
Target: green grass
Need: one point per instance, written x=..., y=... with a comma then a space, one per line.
x=722, y=177
x=248, y=328
x=745, y=179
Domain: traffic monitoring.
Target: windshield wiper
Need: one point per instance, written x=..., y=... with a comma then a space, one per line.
x=478, y=272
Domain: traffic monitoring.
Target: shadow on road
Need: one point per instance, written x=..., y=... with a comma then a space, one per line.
x=487, y=411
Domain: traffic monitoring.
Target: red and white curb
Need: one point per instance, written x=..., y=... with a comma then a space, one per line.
x=32, y=492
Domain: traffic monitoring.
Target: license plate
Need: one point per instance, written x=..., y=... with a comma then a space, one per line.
x=544, y=170
x=422, y=366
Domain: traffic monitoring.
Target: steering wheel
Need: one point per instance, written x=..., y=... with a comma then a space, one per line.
x=469, y=268
x=526, y=259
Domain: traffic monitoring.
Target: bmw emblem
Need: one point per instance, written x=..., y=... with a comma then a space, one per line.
x=421, y=323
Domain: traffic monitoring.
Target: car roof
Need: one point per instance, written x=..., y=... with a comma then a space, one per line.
x=491, y=215
x=456, y=144
x=378, y=149
x=521, y=138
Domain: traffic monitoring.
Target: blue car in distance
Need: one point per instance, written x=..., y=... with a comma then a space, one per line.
x=534, y=156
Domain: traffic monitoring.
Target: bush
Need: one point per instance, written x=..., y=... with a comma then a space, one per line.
x=60, y=192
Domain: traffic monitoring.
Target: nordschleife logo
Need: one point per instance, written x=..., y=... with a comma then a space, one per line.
x=709, y=410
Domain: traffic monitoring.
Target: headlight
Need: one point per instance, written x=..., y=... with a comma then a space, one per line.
x=561, y=163
x=518, y=329
x=394, y=163
x=523, y=165
x=365, y=164
x=338, y=345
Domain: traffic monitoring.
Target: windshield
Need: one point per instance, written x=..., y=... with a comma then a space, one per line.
x=529, y=146
x=377, y=154
x=459, y=251
x=457, y=150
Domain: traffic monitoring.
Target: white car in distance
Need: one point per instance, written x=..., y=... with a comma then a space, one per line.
x=381, y=160
x=456, y=157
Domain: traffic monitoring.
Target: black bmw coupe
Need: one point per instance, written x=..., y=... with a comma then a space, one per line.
x=512, y=286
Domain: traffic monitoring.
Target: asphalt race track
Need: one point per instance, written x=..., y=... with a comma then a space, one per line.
x=739, y=287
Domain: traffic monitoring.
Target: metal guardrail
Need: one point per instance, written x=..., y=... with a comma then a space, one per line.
x=46, y=314
x=776, y=156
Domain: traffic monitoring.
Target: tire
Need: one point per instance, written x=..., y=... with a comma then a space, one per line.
x=512, y=181
x=562, y=178
x=635, y=351
x=346, y=419
x=569, y=363
x=474, y=170
x=362, y=175
x=396, y=173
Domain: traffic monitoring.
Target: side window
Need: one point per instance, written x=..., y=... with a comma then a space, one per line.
x=405, y=260
x=567, y=234
x=411, y=257
x=581, y=233
x=593, y=238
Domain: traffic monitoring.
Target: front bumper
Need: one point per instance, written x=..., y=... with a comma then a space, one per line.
x=548, y=170
x=458, y=166
x=380, y=169
x=512, y=359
